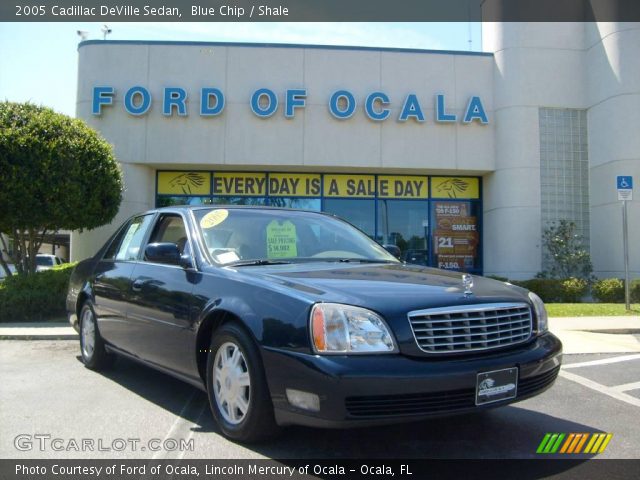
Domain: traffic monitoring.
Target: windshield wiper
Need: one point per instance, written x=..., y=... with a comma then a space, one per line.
x=246, y=263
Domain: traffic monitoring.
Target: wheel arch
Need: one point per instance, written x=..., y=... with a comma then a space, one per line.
x=210, y=323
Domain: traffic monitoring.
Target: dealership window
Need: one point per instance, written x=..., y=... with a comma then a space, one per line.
x=314, y=204
x=224, y=200
x=358, y=212
x=169, y=201
x=434, y=221
x=405, y=224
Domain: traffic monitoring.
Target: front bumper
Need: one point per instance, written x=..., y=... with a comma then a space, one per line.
x=384, y=389
x=73, y=320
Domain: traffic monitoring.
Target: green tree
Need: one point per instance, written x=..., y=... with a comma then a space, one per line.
x=56, y=173
x=566, y=251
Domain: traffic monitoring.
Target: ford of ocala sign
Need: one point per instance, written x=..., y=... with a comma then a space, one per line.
x=264, y=103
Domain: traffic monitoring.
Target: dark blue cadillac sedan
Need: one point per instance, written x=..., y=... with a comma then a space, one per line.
x=292, y=317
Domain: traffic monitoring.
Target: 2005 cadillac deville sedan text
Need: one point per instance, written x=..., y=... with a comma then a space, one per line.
x=291, y=317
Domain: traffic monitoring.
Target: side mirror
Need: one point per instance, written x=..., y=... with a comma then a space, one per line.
x=393, y=250
x=163, y=253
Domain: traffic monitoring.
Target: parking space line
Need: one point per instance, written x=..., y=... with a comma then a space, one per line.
x=627, y=386
x=176, y=424
x=610, y=391
x=604, y=361
x=192, y=430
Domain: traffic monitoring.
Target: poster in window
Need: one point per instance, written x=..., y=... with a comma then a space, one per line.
x=455, y=236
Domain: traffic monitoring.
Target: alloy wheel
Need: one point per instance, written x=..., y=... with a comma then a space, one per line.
x=231, y=383
x=88, y=333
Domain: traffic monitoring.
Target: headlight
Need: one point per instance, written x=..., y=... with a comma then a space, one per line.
x=345, y=329
x=541, y=312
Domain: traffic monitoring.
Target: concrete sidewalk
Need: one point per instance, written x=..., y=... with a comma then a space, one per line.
x=597, y=334
x=37, y=331
x=578, y=334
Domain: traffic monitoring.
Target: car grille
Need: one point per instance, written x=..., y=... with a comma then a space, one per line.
x=415, y=404
x=471, y=328
x=437, y=402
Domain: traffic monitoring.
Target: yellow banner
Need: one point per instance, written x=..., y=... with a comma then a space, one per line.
x=184, y=183
x=361, y=186
x=294, y=185
x=455, y=187
x=395, y=186
x=239, y=184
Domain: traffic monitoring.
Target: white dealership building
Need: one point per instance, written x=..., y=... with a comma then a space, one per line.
x=462, y=159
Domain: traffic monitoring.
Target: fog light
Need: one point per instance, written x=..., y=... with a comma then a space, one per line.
x=303, y=400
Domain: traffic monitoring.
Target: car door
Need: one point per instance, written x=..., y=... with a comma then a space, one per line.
x=112, y=282
x=161, y=301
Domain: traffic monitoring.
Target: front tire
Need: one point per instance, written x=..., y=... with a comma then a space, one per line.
x=236, y=385
x=94, y=355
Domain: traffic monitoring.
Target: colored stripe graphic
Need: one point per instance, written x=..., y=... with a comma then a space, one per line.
x=573, y=443
x=543, y=443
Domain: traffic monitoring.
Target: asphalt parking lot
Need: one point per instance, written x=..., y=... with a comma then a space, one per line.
x=45, y=390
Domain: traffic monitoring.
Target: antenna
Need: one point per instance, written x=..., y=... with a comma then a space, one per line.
x=105, y=31
x=83, y=34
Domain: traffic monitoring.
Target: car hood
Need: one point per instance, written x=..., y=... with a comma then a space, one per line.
x=383, y=287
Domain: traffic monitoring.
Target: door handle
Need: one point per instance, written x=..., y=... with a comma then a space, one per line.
x=137, y=285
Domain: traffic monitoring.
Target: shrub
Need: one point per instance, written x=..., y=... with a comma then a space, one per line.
x=634, y=293
x=565, y=251
x=39, y=296
x=573, y=289
x=608, y=290
x=548, y=289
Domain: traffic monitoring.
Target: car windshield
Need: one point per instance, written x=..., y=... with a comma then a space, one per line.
x=254, y=236
x=44, y=261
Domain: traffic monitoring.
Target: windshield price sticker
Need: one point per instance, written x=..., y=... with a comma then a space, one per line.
x=281, y=240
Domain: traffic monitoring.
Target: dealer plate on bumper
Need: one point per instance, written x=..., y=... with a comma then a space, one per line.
x=496, y=385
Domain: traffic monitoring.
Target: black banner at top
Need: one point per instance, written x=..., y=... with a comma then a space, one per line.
x=320, y=10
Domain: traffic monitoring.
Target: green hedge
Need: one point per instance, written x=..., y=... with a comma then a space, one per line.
x=608, y=290
x=35, y=297
x=548, y=289
x=552, y=290
x=611, y=290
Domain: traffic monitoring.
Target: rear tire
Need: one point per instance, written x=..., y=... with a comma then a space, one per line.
x=94, y=354
x=237, y=388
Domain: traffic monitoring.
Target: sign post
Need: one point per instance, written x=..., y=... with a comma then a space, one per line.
x=624, y=184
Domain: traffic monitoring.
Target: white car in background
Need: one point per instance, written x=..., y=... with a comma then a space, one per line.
x=46, y=262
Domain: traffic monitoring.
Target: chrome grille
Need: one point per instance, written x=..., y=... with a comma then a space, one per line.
x=470, y=328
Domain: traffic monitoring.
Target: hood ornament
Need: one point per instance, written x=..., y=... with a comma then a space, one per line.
x=467, y=283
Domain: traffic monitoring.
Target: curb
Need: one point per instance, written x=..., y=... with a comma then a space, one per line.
x=619, y=331
x=40, y=337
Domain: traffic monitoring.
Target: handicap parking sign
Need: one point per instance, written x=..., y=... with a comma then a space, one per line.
x=624, y=185
x=625, y=182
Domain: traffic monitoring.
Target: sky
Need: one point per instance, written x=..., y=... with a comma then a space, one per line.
x=38, y=61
